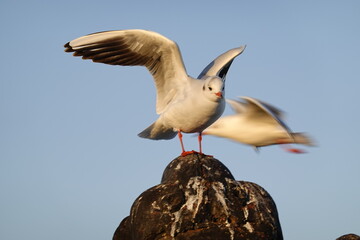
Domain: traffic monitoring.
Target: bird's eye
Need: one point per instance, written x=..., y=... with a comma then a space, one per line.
x=210, y=88
x=203, y=87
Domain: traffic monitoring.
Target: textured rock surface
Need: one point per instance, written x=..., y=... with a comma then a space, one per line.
x=350, y=236
x=198, y=198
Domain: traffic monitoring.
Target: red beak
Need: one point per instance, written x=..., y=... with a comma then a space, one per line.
x=219, y=94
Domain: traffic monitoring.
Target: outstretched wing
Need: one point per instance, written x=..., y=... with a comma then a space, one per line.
x=160, y=55
x=259, y=111
x=220, y=66
x=237, y=106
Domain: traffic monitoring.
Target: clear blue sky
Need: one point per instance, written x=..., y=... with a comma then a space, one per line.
x=71, y=163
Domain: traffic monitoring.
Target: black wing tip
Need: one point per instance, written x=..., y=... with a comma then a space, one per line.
x=68, y=48
x=222, y=73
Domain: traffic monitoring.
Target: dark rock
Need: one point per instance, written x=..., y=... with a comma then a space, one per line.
x=198, y=198
x=350, y=236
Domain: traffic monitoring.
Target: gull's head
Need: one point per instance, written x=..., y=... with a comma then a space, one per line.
x=214, y=88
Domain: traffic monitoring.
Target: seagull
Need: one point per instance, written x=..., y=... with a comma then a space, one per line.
x=184, y=104
x=258, y=124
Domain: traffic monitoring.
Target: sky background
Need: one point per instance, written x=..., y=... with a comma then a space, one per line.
x=71, y=163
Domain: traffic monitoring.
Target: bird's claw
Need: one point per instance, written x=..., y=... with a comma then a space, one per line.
x=185, y=153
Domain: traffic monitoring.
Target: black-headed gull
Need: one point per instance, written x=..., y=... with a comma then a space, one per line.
x=185, y=104
x=258, y=124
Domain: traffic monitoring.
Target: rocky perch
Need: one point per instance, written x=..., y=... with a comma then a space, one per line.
x=198, y=198
x=349, y=236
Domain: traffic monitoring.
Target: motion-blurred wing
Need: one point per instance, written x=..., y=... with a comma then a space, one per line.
x=264, y=112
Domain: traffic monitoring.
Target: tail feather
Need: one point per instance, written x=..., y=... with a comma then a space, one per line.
x=302, y=138
x=158, y=131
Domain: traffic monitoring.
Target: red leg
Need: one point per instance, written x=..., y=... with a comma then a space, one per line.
x=200, y=139
x=295, y=150
x=183, y=153
x=285, y=145
x=181, y=142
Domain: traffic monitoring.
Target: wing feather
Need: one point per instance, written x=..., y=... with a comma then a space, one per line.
x=160, y=55
x=220, y=65
x=264, y=112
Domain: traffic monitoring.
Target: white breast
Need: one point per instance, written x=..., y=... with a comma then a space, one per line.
x=193, y=115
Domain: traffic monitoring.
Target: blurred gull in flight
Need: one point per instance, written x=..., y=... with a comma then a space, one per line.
x=185, y=104
x=258, y=124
